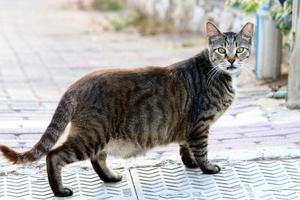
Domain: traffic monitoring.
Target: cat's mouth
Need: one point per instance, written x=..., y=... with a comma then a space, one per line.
x=231, y=67
x=232, y=70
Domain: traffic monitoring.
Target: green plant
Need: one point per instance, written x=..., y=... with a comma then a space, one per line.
x=281, y=14
x=145, y=24
x=149, y=25
x=187, y=43
x=248, y=6
x=108, y=5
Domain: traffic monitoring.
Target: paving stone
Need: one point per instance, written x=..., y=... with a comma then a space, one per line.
x=34, y=124
x=30, y=137
x=257, y=180
x=4, y=107
x=251, y=121
x=235, y=110
x=44, y=52
x=253, y=139
x=253, y=113
x=7, y=136
x=9, y=126
x=272, y=132
x=225, y=121
x=278, y=142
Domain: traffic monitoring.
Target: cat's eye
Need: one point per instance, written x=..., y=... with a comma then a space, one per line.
x=221, y=50
x=240, y=49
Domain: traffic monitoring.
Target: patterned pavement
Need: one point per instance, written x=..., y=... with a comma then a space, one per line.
x=247, y=180
x=44, y=52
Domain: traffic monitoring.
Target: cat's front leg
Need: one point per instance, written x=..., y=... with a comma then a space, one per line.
x=198, y=145
x=187, y=156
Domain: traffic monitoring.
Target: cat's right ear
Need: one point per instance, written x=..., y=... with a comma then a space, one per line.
x=247, y=30
x=212, y=30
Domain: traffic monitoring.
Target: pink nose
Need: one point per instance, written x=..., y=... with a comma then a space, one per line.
x=231, y=60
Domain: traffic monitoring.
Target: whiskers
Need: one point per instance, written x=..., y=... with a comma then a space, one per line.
x=243, y=69
x=212, y=74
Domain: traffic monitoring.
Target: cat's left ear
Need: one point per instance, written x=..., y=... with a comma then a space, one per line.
x=247, y=30
x=212, y=30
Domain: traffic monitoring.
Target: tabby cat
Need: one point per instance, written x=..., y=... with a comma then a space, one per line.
x=128, y=111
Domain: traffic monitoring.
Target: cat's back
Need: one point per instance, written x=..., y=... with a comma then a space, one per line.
x=132, y=89
x=125, y=77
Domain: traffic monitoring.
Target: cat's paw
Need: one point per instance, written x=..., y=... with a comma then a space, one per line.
x=188, y=161
x=65, y=193
x=190, y=164
x=113, y=179
x=210, y=169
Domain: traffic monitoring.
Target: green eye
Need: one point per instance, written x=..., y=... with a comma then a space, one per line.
x=221, y=50
x=240, y=49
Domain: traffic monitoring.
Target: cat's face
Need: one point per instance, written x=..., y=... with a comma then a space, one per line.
x=229, y=51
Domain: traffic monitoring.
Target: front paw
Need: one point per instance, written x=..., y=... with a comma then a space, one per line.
x=65, y=193
x=190, y=163
x=210, y=168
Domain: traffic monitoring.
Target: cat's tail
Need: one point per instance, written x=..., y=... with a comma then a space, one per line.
x=60, y=120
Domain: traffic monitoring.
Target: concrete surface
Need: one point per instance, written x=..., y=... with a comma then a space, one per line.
x=44, y=47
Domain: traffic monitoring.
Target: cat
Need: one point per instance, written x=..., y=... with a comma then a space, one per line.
x=129, y=111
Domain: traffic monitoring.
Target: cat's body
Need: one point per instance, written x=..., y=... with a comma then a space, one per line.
x=136, y=110
x=127, y=112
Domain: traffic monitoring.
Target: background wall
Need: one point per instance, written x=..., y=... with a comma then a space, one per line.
x=191, y=15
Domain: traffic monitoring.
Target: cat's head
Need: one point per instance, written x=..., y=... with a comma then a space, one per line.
x=229, y=51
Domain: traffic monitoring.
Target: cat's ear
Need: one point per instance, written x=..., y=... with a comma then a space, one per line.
x=247, y=30
x=212, y=30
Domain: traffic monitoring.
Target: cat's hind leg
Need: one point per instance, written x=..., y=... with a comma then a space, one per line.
x=71, y=151
x=103, y=171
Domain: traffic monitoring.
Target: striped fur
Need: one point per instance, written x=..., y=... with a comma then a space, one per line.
x=56, y=127
x=126, y=112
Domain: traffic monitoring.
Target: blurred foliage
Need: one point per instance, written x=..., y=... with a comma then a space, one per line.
x=108, y=5
x=145, y=24
x=282, y=14
x=248, y=6
x=187, y=43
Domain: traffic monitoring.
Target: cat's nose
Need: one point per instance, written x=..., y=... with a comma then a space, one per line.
x=231, y=60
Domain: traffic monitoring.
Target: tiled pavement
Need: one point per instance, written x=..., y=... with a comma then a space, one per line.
x=44, y=48
x=247, y=180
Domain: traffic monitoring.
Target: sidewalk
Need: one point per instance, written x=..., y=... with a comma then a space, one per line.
x=45, y=48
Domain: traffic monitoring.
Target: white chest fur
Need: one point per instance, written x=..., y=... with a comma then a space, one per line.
x=124, y=149
x=235, y=81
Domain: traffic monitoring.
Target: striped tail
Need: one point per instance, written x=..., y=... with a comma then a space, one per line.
x=60, y=120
